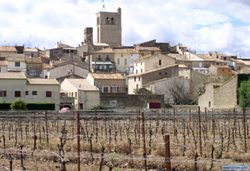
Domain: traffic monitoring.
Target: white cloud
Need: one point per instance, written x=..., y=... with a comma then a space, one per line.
x=201, y=25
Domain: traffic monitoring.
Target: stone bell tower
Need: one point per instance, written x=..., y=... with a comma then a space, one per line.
x=109, y=28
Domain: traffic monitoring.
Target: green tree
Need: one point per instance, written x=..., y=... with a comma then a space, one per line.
x=143, y=91
x=18, y=105
x=244, y=94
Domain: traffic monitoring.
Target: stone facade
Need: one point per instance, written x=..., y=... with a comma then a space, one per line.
x=126, y=101
x=17, y=86
x=152, y=62
x=220, y=96
x=109, y=28
x=85, y=95
x=111, y=83
x=164, y=86
x=137, y=81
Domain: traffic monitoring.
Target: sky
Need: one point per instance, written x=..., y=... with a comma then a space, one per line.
x=201, y=25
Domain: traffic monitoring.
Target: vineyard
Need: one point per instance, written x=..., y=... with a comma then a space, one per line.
x=180, y=139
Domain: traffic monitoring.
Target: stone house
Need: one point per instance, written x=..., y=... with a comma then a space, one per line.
x=16, y=63
x=220, y=71
x=169, y=86
x=124, y=58
x=67, y=70
x=62, y=51
x=34, y=66
x=7, y=50
x=3, y=66
x=15, y=85
x=152, y=62
x=137, y=81
x=108, y=82
x=102, y=60
x=220, y=95
x=86, y=96
x=31, y=52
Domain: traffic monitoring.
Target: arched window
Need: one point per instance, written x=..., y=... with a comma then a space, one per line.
x=107, y=20
x=112, y=21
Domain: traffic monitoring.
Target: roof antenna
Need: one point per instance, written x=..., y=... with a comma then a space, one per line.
x=103, y=5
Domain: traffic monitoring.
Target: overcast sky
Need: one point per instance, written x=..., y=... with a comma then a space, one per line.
x=201, y=25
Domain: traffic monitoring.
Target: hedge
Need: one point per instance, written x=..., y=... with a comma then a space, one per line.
x=41, y=106
x=5, y=106
x=31, y=106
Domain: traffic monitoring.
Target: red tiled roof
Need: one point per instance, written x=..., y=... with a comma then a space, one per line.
x=7, y=49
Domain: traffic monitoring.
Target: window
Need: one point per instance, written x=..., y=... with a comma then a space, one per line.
x=17, y=93
x=141, y=70
x=113, y=103
x=125, y=61
x=159, y=73
x=136, y=71
x=134, y=78
x=139, y=78
x=160, y=62
x=75, y=94
x=107, y=58
x=114, y=89
x=107, y=20
x=99, y=58
x=34, y=93
x=48, y=94
x=118, y=61
x=80, y=105
x=17, y=64
x=105, y=89
x=26, y=93
x=112, y=21
x=3, y=93
x=137, y=86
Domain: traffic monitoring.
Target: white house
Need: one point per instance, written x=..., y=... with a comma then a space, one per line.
x=15, y=85
x=86, y=96
x=124, y=58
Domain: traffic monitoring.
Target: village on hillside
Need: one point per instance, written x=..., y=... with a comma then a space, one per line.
x=104, y=73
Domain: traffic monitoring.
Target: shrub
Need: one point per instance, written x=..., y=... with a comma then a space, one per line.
x=18, y=105
x=244, y=94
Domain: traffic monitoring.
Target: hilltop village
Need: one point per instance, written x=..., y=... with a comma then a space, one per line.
x=107, y=74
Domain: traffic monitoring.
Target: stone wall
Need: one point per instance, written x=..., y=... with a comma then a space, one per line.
x=124, y=100
x=226, y=95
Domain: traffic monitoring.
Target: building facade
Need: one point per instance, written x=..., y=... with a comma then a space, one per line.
x=15, y=85
x=109, y=28
x=86, y=96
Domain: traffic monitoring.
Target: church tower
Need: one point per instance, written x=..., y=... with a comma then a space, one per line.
x=109, y=28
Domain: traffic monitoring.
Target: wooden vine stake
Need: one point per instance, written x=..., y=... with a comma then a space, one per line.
x=144, y=142
x=167, y=152
x=78, y=142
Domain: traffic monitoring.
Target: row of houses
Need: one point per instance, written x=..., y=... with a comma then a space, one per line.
x=70, y=84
